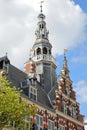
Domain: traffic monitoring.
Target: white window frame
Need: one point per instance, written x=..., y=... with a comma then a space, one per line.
x=26, y=122
x=33, y=93
x=64, y=108
x=51, y=125
x=67, y=92
x=74, y=112
x=61, y=127
x=23, y=84
x=39, y=122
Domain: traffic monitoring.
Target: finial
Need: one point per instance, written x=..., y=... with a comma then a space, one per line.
x=6, y=54
x=41, y=6
x=65, y=50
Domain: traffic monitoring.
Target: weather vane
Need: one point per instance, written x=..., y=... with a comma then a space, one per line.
x=41, y=5
x=65, y=51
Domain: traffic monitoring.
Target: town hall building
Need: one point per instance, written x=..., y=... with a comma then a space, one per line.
x=57, y=108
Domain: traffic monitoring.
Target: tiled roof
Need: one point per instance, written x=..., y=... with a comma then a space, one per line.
x=16, y=76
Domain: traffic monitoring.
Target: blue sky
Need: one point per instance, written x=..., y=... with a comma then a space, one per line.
x=82, y=3
x=67, y=24
x=79, y=69
x=77, y=62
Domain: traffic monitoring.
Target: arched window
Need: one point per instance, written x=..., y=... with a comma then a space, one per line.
x=38, y=51
x=40, y=25
x=44, y=50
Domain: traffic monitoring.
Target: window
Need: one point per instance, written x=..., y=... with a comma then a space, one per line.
x=50, y=125
x=33, y=93
x=44, y=50
x=61, y=127
x=64, y=109
x=69, y=112
x=39, y=121
x=70, y=94
x=74, y=112
x=40, y=26
x=38, y=51
x=25, y=124
x=67, y=91
x=32, y=82
x=23, y=84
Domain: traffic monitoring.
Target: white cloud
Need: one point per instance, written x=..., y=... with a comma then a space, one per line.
x=18, y=19
x=85, y=127
x=80, y=59
x=85, y=124
x=81, y=91
x=67, y=22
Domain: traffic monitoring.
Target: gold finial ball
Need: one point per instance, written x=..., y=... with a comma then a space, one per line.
x=2, y=73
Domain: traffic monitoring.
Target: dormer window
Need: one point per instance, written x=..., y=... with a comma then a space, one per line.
x=33, y=93
x=4, y=63
x=23, y=83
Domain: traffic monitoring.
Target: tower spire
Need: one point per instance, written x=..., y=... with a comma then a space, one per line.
x=65, y=61
x=41, y=10
x=41, y=31
x=65, y=70
x=6, y=54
